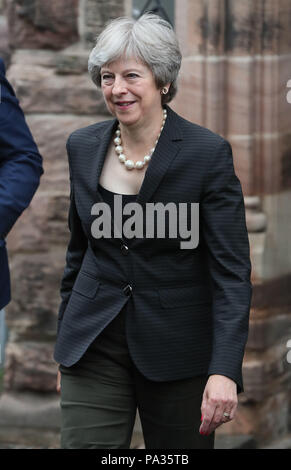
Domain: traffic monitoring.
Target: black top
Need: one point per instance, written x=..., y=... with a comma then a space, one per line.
x=109, y=194
x=108, y=197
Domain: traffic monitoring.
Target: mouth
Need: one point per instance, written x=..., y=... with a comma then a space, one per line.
x=124, y=104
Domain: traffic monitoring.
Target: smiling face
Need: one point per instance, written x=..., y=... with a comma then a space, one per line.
x=130, y=91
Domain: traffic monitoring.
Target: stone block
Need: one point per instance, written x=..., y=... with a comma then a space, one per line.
x=251, y=27
x=234, y=442
x=94, y=15
x=189, y=99
x=235, y=28
x=29, y=420
x=35, y=283
x=270, y=162
x=51, y=132
x=253, y=203
x=41, y=90
x=71, y=61
x=214, y=71
x=267, y=372
x=285, y=159
x=265, y=421
x=256, y=221
x=240, y=97
x=257, y=250
x=283, y=22
x=270, y=90
x=38, y=24
x=32, y=421
x=200, y=98
x=284, y=442
x=4, y=45
x=243, y=150
x=190, y=27
x=30, y=410
x=263, y=333
x=30, y=366
x=32, y=57
x=277, y=259
x=272, y=296
x=43, y=224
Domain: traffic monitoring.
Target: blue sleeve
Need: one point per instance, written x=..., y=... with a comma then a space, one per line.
x=20, y=161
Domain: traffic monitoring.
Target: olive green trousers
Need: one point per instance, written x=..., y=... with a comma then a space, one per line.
x=101, y=393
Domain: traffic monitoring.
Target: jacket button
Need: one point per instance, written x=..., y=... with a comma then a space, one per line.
x=127, y=289
x=124, y=249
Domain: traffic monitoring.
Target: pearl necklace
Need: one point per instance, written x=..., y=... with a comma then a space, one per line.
x=129, y=164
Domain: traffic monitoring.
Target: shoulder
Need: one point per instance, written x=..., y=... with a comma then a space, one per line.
x=211, y=150
x=9, y=102
x=201, y=136
x=6, y=88
x=94, y=130
x=2, y=67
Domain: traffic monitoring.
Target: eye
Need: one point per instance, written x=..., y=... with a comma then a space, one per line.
x=106, y=77
x=132, y=75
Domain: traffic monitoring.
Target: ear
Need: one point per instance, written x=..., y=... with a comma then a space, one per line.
x=165, y=86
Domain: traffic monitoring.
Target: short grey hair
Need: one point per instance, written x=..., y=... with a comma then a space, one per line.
x=150, y=39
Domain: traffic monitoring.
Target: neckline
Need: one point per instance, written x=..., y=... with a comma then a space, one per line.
x=119, y=194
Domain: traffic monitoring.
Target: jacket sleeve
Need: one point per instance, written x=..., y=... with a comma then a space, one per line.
x=76, y=249
x=20, y=161
x=225, y=233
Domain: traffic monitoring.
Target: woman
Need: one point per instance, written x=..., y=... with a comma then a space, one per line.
x=144, y=323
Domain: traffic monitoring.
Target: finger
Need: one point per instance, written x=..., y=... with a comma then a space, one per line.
x=233, y=409
x=216, y=419
x=58, y=387
x=230, y=409
x=229, y=414
x=213, y=428
x=208, y=411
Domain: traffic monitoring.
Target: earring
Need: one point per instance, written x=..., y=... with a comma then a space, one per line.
x=164, y=91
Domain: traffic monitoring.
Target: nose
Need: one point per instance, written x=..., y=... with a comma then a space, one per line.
x=119, y=86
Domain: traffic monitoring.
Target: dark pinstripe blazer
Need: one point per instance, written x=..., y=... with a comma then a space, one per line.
x=190, y=308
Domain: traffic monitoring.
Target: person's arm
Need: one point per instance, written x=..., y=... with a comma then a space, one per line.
x=20, y=161
x=76, y=249
x=224, y=230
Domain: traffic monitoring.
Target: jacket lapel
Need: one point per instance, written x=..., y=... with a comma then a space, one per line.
x=167, y=148
x=103, y=141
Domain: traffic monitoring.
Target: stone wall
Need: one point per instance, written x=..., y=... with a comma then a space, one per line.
x=35, y=24
x=236, y=63
x=235, y=68
x=4, y=45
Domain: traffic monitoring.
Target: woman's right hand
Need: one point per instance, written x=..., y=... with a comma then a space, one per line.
x=58, y=387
